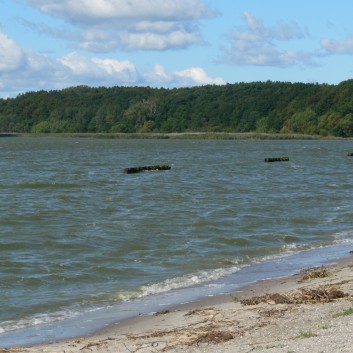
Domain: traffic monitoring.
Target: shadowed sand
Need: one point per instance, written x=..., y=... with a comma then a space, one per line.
x=311, y=311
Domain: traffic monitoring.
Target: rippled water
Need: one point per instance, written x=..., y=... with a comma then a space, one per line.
x=77, y=233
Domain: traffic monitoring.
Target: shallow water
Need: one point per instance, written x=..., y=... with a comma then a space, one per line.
x=77, y=234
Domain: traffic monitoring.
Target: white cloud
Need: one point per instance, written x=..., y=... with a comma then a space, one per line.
x=11, y=55
x=255, y=44
x=104, y=41
x=194, y=76
x=39, y=71
x=25, y=70
x=94, y=11
x=344, y=46
x=108, y=25
x=197, y=76
x=100, y=71
x=156, y=41
x=158, y=75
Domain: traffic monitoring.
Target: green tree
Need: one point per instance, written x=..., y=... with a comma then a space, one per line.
x=304, y=122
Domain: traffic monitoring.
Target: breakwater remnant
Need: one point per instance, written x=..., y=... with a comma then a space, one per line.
x=146, y=168
x=277, y=159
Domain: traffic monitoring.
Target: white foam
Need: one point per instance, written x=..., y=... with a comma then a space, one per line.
x=37, y=320
x=189, y=280
x=344, y=236
x=211, y=276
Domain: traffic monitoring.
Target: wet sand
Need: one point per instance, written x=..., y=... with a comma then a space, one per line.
x=311, y=311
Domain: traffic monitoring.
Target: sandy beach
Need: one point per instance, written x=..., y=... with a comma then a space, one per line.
x=311, y=311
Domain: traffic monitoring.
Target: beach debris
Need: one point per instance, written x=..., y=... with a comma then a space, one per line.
x=200, y=311
x=322, y=272
x=301, y=296
x=133, y=170
x=274, y=313
x=274, y=298
x=203, y=326
x=277, y=159
x=97, y=344
x=191, y=336
x=320, y=295
x=214, y=337
x=164, y=312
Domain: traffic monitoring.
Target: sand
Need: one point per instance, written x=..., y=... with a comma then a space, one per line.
x=309, y=312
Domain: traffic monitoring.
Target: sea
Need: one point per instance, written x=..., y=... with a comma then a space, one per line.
x=84, y=245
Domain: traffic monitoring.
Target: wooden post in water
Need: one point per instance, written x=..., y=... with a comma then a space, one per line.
x=146, y=168
x=277, y=159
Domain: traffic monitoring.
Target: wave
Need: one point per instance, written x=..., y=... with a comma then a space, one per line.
x=40, y=185
x=45, y=185
x=231, y=266
x=210, y=278
x=344, y=236
x=37, y=320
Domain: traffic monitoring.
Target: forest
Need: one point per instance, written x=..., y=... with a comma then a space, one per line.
x=262, y=107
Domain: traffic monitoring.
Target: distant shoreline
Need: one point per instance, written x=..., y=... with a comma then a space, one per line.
x=182, y=135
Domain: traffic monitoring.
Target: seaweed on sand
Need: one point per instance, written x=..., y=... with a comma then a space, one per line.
x=303, y=295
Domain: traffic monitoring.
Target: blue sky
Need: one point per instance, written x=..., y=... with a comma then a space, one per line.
x=53, y=44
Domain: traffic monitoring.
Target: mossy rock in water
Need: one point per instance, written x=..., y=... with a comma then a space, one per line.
x=146, y=168
x=277, y=159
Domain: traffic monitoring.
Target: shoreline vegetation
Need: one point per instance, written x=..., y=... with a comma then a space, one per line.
x=182, y=135
x=310, y=311
x=257, y=107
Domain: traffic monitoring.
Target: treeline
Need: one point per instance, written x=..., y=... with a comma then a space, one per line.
x=264, y=107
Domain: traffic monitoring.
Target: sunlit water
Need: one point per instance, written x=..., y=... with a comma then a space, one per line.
x=78, y=234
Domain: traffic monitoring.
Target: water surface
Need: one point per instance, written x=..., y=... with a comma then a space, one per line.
x=78, y=235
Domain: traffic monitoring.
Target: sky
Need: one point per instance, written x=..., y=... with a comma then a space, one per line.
x=54, y=44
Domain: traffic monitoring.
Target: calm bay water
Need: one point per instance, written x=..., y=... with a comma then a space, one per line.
x=77, y=234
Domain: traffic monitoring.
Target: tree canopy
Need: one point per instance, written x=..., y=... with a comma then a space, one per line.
x=266, y=107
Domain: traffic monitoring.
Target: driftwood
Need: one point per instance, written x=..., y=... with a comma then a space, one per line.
x=146, y=168
x=277, y=159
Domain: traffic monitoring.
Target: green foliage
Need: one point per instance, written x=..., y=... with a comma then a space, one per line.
x=306, y=334
x=346, y=312
x=258, y=107
x=302, y=122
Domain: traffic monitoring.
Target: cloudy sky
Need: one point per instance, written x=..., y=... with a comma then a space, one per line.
x=53, y=44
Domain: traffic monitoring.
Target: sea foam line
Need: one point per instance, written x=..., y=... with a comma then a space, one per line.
x=186, y=281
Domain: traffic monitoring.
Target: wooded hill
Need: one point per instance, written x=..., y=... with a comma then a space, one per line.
x=264, y=107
